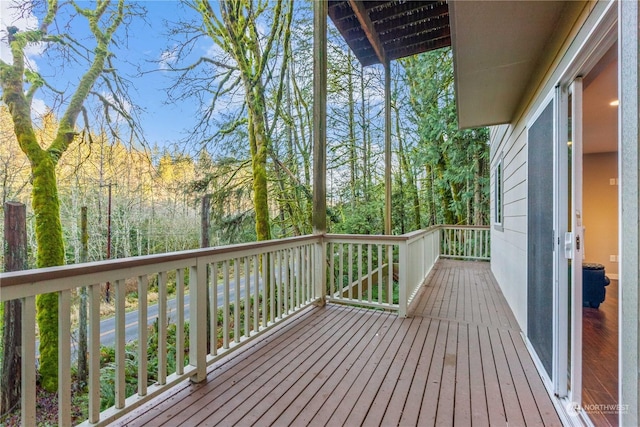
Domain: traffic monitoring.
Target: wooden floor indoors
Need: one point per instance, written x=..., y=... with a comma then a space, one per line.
x=458, y=359
x=600, y=358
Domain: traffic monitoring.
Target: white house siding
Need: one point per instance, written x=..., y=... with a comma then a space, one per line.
x=509, y=242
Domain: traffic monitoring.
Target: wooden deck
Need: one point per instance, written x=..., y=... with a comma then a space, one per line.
x=458, y=360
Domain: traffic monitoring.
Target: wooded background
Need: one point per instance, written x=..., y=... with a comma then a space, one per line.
x=440, y=174
x=249, y=147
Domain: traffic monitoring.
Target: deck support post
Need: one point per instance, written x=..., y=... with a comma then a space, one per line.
x=629, y=217
x=320, y=9
x=198, y=320
x=387, y=148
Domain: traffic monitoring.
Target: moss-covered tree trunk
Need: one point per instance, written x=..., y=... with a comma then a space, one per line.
x=353, y=155
x=259, y=145
x=237, y=33
x=477, y=189
x=46, y=206
x=19, y=85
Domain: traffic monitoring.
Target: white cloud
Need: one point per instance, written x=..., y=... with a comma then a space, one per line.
x=122, y=105
x=263, y=30
x=167, y=59
x=16, y=13
x=38, y=108
x=215, y=52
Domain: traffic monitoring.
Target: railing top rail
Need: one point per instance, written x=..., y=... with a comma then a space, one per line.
x=466, y=227
x=365, y=237
x=383, y=237
x=413, y=235
x=23, y=277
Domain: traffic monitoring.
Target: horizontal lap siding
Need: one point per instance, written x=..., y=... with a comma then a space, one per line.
x=509, y=245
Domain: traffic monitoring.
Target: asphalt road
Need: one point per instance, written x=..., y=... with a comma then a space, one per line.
x=108, y=326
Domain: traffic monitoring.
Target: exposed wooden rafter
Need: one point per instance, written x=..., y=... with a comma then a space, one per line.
x=369, y=29
x=381, y=31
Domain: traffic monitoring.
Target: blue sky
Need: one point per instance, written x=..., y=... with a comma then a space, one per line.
x=146, y=46
x=147, y=40
x=143, y=46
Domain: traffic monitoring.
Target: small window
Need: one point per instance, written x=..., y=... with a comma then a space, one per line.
x=498, y=199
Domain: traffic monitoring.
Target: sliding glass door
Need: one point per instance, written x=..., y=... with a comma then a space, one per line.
x=568, y=242
x=555, y=238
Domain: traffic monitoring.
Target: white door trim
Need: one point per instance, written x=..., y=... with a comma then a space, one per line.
x=560, y=227
x=578, y=242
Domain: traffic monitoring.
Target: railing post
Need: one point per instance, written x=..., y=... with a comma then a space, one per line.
x=94, y=353
x=143, y=286
x=198, y=320
x=403, y=265
x=64, y=358
x=120, y=385
x=28, y=374
x=320, y=271
x=422, y=262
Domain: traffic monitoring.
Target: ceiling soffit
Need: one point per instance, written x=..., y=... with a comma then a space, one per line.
x=497, y=47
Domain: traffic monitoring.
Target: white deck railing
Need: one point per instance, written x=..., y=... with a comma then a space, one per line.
x=361, y=270
x=380, y=271
x=466, y=242
x=270, y=281
x=233, y=276
x=421, y=251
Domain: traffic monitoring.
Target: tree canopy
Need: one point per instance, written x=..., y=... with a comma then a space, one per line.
x=247, y=66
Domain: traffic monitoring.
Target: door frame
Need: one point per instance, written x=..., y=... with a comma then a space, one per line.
x=568, y=245
x=560, y=263
x=597, y=43
x=577, y=231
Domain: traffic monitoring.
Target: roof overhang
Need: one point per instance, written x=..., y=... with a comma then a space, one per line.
x=381, y=31
x=497, y=47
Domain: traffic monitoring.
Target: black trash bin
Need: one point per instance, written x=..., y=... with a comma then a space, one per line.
x=594, y=281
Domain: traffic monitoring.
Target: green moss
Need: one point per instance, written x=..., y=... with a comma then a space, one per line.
x=259, y=169
x=47, y=309
x=45, y=200
x=47, y=209
x=50, y=253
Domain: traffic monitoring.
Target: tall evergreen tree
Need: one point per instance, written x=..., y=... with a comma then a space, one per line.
x=456, y=180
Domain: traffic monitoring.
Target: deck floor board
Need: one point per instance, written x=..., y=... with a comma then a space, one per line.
x=458, y=359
